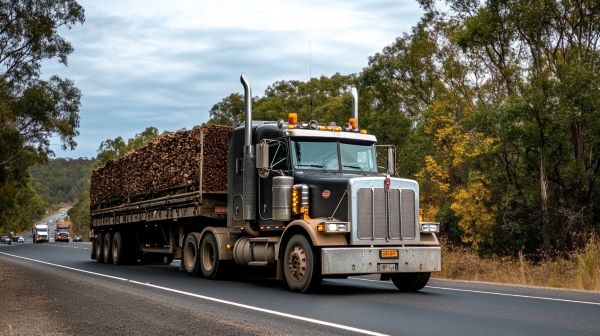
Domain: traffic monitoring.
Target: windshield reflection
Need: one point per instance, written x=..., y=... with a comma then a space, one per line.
x=326, y=156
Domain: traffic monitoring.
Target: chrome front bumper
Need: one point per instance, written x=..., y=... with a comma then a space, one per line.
x=351, y=260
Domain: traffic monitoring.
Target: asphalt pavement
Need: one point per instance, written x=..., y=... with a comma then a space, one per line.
x=358, y=305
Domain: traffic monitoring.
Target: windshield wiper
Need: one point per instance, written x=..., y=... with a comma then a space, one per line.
x=310, y=165
x=356, y=167
x=313, y=165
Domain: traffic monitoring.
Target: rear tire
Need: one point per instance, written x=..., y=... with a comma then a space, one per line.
x=300, y=263
x=99, y=243
x=410, y=282
x=191, y=258
x=107, y=248
x=118, y=249
x=93, y=255
x=210, y=264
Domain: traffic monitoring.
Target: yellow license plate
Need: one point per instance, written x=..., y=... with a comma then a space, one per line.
x=388, y=254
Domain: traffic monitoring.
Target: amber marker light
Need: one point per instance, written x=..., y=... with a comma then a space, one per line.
x=292, y=118
x=363, y=131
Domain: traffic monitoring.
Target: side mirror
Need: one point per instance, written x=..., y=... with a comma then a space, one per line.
x=262, y=158
x=391, y=161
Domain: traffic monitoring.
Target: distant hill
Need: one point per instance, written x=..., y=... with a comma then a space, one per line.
x=61, y=180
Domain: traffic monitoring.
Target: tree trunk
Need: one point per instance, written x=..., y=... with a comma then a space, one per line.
x=544, y=205
x=578, y=142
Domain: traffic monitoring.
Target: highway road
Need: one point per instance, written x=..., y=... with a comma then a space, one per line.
x=351, y=306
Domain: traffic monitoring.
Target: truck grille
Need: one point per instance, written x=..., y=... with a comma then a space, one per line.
x=382, y=215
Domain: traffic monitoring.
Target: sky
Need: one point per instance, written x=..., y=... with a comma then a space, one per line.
x=141, y=63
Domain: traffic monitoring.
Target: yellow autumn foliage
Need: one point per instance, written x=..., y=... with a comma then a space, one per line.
x=476, y=216
x=446, y=177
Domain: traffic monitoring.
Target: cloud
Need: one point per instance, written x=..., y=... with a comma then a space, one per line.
x=164, y=63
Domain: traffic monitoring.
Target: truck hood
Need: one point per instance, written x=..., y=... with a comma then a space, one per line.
x=327, y=193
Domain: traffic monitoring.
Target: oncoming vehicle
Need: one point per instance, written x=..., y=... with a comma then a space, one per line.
x=40, y=233
x=63, y=230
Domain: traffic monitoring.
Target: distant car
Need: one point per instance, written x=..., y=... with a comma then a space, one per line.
x=20, y=239
x=77, y=239
x=6, y=240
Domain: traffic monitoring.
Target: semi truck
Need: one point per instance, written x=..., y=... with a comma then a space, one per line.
x=40, y=233
x=63, y=230
x=303, y=201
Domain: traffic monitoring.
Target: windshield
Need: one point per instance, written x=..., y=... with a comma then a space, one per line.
x=42, y=229
x=333, y=155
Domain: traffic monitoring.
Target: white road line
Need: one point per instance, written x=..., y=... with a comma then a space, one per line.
x=208, y=298
x=72, y=247
x=495, y=293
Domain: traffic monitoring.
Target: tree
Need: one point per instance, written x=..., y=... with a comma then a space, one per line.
x=113, y=148
x=32, y=110
x=538, y=96
x=229, y=111
x=324, y=99
x=29, y=35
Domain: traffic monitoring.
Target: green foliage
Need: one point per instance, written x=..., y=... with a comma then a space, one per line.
x=29, y=34
x=61, y=180
x=113, y=148
x=20, y=205
x=230, y=111
x=533, y=69
x=80, y=213
x=32, y=110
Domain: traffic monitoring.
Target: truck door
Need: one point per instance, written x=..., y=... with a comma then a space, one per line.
x=279, y=165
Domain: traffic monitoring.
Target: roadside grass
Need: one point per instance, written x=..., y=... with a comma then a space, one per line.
x=579, y=270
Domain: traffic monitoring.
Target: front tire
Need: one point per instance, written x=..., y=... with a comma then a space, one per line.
x=300, y=263
x=410, y=282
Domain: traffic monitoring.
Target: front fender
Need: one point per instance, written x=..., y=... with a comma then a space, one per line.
x=317, y=238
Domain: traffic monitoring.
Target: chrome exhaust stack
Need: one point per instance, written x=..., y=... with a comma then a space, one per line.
x=354, y=94
x=249, y=174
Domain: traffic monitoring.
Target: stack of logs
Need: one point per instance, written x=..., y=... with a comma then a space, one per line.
x=168, y=165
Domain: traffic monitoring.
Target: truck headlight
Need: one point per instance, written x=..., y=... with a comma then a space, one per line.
x=430, y=227
x=333, y=227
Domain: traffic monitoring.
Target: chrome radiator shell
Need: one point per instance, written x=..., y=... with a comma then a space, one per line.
x=382, y=216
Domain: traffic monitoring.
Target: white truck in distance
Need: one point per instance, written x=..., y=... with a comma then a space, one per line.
x=40, y=233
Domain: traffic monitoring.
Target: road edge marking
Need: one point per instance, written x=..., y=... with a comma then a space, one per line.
x=495, y=293
x=208, y=298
